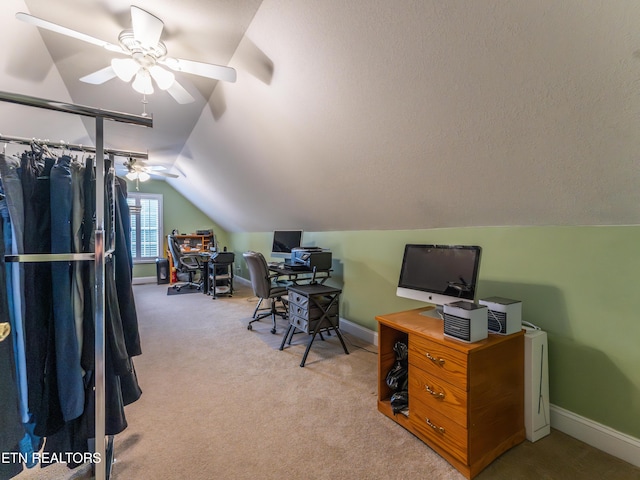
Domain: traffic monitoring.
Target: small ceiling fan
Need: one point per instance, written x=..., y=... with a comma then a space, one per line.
x=147, y=57
x=139, y=170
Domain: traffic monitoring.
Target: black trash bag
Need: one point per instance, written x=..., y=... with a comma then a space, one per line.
x=397, y=377
x=399, y=401
x=402, y=351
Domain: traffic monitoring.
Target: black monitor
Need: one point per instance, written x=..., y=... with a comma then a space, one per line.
x=439, y=274
x=284, y=241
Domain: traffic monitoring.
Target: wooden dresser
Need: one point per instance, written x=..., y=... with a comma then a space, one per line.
x=466, y=400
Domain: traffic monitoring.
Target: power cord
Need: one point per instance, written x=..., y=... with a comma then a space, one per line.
x=531, y=325
x=346, y=337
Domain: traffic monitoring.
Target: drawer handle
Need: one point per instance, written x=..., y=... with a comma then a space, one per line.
x=439, y=361
x=438, y=395
x=435, y=427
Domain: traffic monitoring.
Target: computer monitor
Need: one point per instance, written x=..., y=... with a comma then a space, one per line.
x=439, y=274
x=284, y=241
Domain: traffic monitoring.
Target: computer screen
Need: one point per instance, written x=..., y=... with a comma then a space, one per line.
x=439, y=274
x=284, y=241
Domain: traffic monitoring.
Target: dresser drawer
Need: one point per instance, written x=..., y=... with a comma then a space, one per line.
x=309, y=326
x=310, y=310
x=439, y=429
x=301, y=300
x=438, y=360
x=438, y=395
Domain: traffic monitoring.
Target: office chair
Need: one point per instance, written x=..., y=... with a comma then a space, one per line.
x=264, y=288
x=186, y=264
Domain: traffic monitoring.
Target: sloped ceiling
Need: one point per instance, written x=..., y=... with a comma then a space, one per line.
x=385, y=115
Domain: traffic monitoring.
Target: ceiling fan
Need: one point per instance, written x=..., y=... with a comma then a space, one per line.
x=139, y=170
x=147, y=57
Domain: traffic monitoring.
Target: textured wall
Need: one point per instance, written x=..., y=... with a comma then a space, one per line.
x=423, y=114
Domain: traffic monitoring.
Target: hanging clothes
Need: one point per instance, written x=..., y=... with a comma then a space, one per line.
x=10, y=425
x=13, y=217
x=48, y=361
x=70, y=381
x=39, y=327
x=77, y=278
x=124, y=271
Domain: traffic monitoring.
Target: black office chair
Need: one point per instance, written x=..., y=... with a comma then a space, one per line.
x=264, y=287
x=187, y=265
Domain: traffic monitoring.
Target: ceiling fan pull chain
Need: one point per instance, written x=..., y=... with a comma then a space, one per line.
x=144, y=105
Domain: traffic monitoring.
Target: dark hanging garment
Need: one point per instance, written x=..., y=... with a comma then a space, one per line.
x=70, y=382
x=39, y=328
x=88, y=246
x=11, y=429
x=123, y=270
x=13, y=216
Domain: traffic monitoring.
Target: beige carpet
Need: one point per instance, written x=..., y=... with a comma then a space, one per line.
x=222, y=402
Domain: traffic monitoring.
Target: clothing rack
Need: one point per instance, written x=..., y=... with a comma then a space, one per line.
x=76, y=147
x=102, y=469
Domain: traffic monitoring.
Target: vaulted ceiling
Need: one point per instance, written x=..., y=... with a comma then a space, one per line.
x=365, y=114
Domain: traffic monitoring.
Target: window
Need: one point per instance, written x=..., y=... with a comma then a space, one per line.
x=146, y=226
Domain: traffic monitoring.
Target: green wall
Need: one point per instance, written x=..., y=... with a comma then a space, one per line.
x=580, y=284
x=177, y=212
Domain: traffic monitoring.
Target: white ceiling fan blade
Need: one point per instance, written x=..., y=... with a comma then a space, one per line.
x=147, y=28
x=99, y=77
x=164, y=78
x=209, y=70
x=161, y=174
x=179, y=94
x=54, y=27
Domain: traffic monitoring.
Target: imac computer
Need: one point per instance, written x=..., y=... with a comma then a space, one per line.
x=284, y=241
x=439, y=274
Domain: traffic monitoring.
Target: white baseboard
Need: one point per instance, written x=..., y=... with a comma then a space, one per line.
x=143, y=280
x=359, y=331
x=620, y=445
x=603, y=438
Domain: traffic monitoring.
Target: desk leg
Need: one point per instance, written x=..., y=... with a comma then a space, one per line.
x=337, y=330
x=318, y=330
x=306, y=352
x=290, y=331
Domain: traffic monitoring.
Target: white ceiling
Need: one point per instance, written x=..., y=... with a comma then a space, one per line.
x=370, y=114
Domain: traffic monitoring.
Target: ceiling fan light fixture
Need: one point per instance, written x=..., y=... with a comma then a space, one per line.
x=164, y=78
x=142, y=83
x=143, y=44
x=125, y=68
x=143, y=176
x=132, y=176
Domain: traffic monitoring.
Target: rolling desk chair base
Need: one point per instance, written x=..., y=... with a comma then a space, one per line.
x=190, y=283
x=187, y=284
x=273, y=312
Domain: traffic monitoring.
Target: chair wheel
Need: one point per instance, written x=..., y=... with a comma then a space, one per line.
x=273, y=330
x=249, y=327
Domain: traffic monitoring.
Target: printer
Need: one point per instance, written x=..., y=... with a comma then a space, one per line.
x=311, y=257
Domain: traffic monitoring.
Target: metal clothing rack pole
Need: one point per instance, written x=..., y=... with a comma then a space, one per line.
x=99, y=254
x=78, y=147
